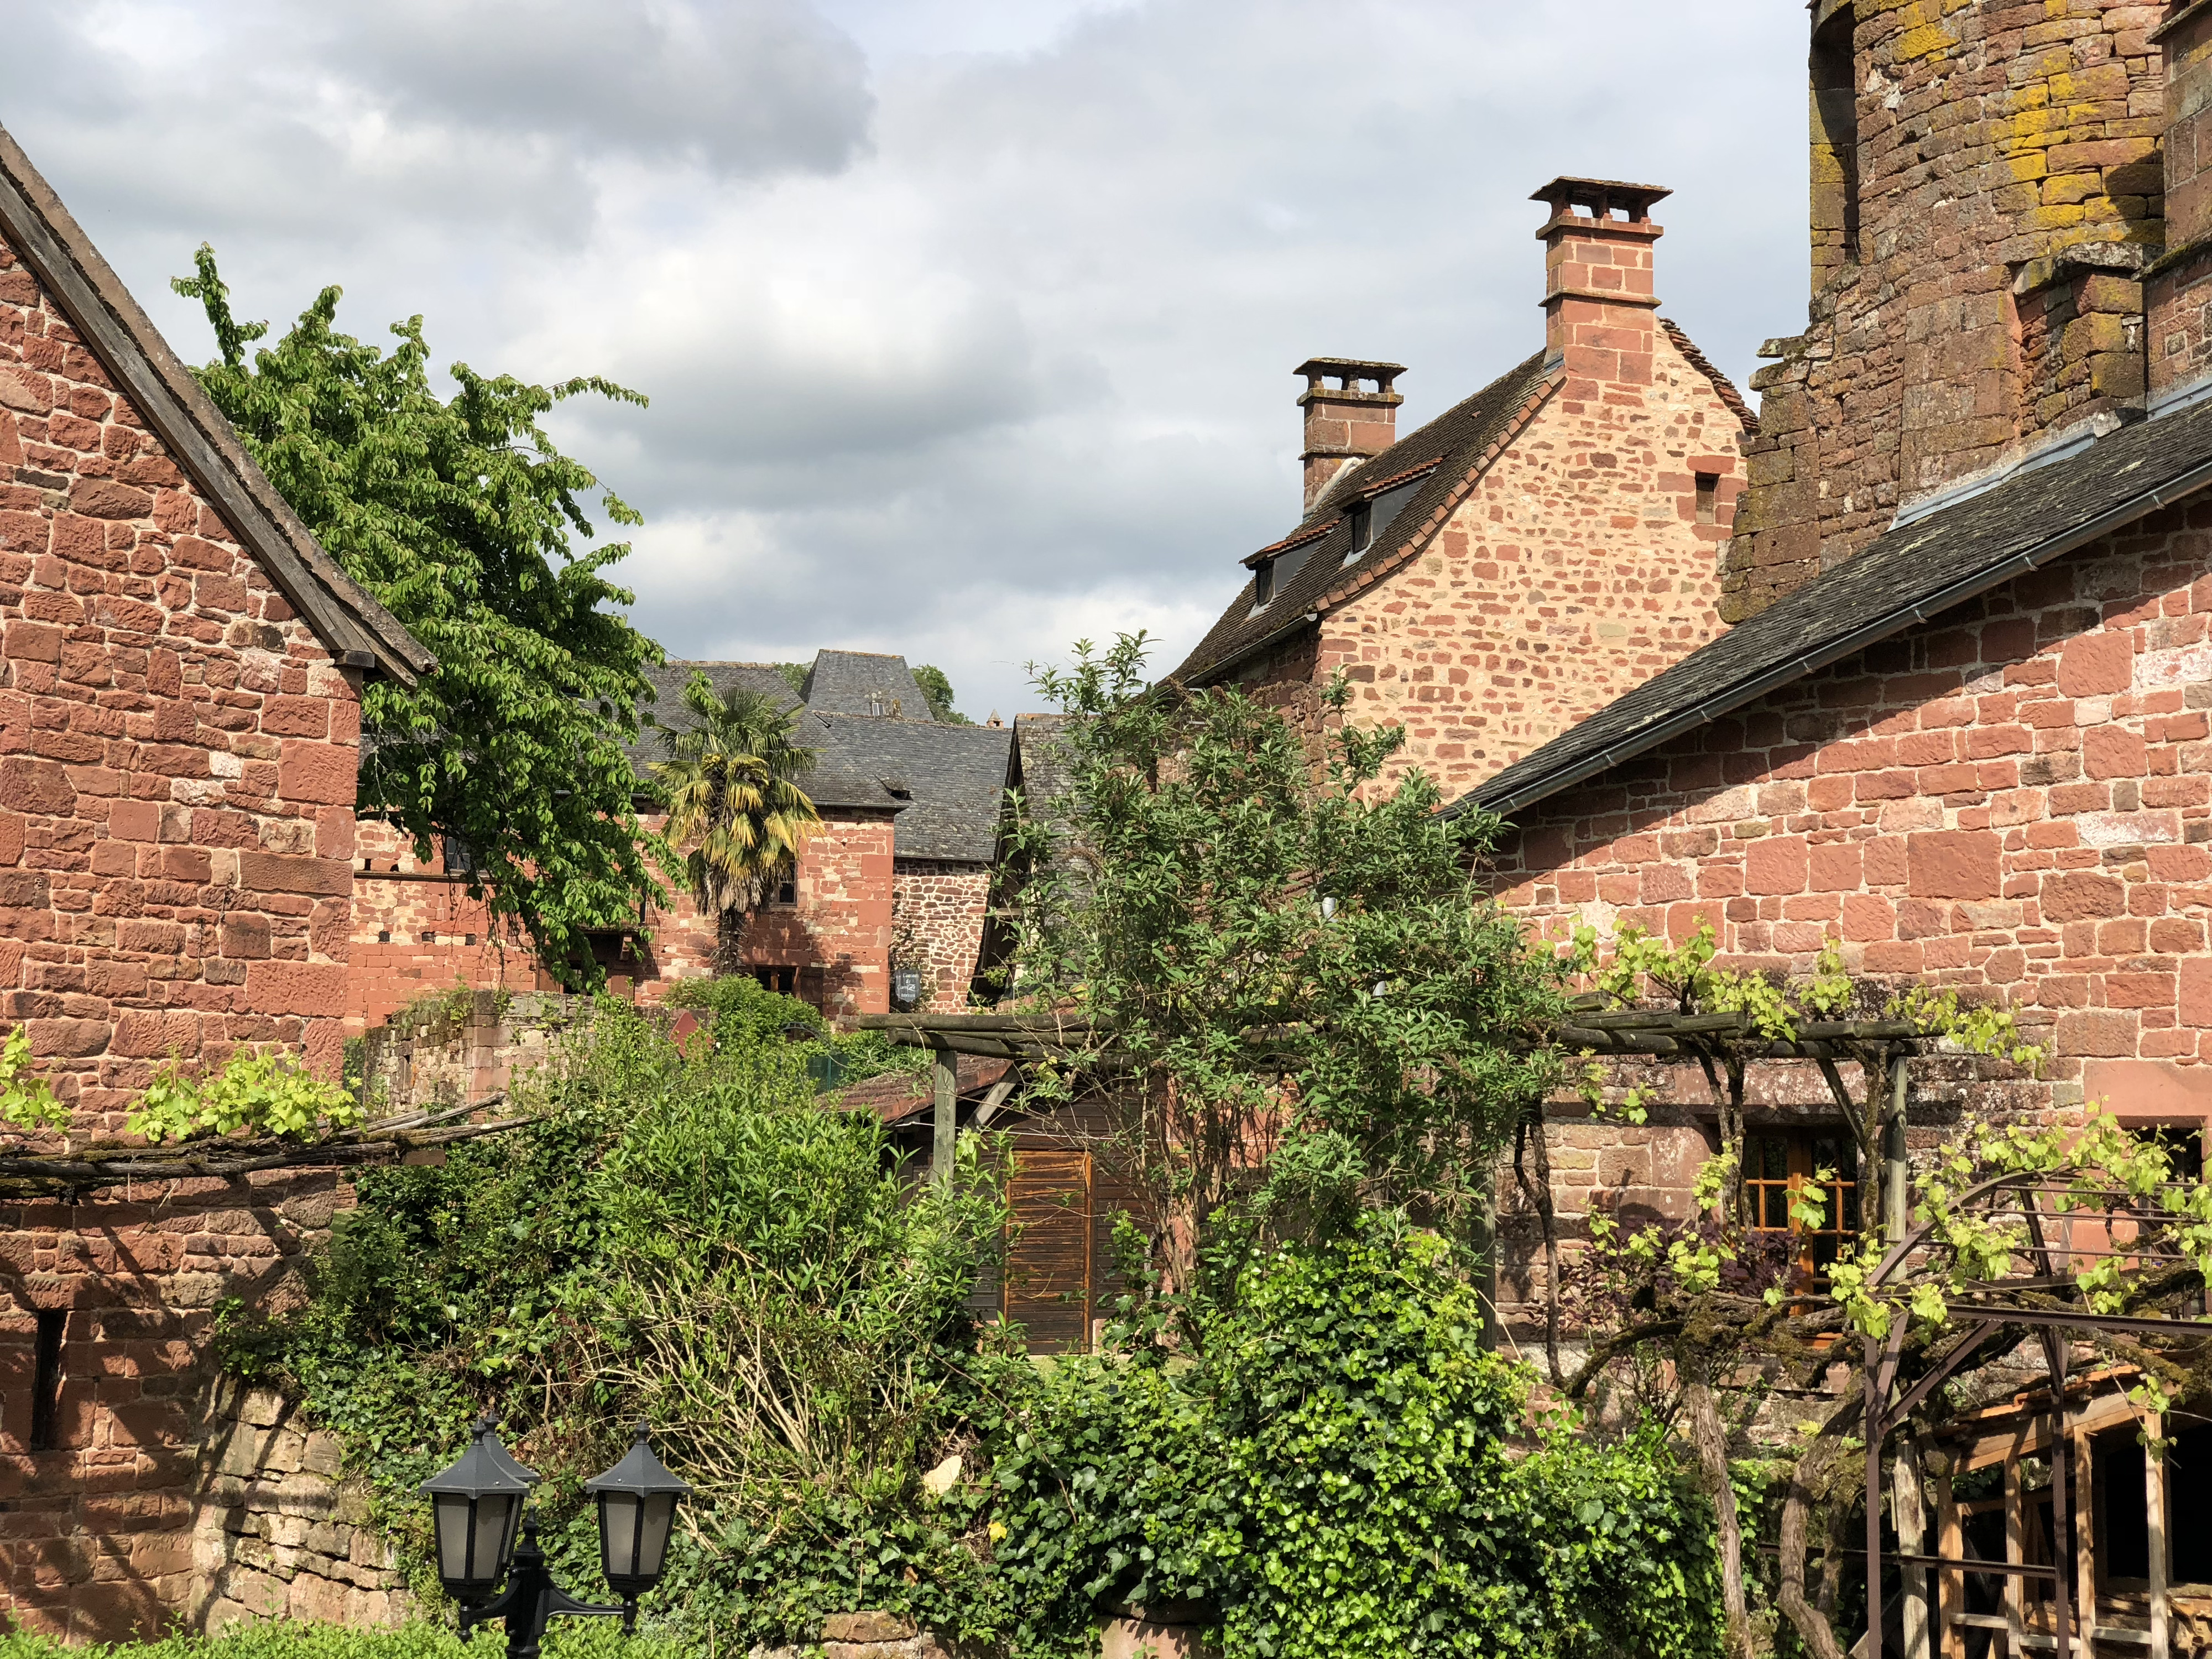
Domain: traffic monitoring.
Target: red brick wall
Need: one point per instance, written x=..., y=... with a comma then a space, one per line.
x=2013, y=798
x=1575, y=568
x=938, y=912
x=417, y=932
x=177, y=763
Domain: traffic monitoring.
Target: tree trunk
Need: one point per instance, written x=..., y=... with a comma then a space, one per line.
x=729, y=941
x=1539, y=1194
x=1809, y=1621
x=1710, y=1436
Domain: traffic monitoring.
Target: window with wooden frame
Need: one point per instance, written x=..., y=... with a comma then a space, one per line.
x=1778, y=1164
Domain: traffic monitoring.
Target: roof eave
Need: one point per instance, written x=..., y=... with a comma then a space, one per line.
x=1894, y=621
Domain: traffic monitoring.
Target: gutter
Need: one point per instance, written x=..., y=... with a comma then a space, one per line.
x=1724, y=702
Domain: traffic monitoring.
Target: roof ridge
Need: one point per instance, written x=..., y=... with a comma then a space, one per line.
x=1703, y=365
x=40, y=231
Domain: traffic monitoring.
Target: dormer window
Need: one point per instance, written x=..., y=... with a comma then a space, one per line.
x=1271, y=576
x=1370, y=518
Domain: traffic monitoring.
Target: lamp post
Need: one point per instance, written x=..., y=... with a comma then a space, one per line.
x=475, y=1506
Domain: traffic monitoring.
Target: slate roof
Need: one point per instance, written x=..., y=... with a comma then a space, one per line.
x=352, y=625
x=955, y=777
x=865, y=682
x=1457, y=445
x=1914, y=572
x=945, y=782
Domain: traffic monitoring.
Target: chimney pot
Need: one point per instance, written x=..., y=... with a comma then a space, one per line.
x=1346, y=423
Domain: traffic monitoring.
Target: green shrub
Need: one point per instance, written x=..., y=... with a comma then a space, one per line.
x=1343, y=1471
x=739, y=1009
x=690, y=1241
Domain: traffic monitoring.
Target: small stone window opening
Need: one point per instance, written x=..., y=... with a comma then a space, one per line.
x=468, y=939
x=2185, y=1148
x=1709, y=495
x=47, y=1379
x=1835, y=143
x=383, y=936
x=787, y=890
x=427, y=939
x=1778, y=1165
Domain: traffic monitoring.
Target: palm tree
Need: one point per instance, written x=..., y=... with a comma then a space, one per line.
x=734, y=802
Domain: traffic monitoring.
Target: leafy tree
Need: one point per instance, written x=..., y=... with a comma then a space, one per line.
x=732, y=784
x=794, y=675
x=1299, y=1000
x=457, y=514
x=937, y=692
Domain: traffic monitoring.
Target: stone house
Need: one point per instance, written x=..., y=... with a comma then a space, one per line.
x=1960, y=722
x=1531, y=553
x=180, y=674
x=897, y=877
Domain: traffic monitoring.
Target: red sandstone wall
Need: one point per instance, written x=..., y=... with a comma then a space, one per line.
x=2013, y=800
x=1996, y=141
x=938, y=912
x=1575, y=570
x=838, y=935
x=416, y=930
x=177, y=763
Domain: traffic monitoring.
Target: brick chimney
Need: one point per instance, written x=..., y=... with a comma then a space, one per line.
x=1344, y=424
x=1599, y=310
x=2178, y=288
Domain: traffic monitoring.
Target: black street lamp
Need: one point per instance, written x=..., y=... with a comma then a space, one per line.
x=475, y=1506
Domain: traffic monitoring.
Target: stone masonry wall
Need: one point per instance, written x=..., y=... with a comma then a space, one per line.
x=96, y=1536
x=417, y=932
x=938, y=909
x=177, y=765
x=1576, y=567
x=276, y=1532
x=465, y=1045
x=2002, y=147
x=2015, y=799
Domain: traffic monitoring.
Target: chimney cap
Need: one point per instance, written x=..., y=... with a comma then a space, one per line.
x=1601, y=196
x=1347, y=372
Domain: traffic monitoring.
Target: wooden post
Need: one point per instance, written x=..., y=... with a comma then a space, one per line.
x=2155, y=1524
x=1950, y=1582
x=2014, y=1523
x=1911, y=1540
x=948, y=1098
x=2085, y=1538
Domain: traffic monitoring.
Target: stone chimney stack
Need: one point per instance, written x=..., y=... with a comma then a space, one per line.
x=1345, y=425
x=1600, y=313
x=2178, y=288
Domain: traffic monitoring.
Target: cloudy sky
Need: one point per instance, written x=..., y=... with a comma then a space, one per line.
x=968, y=324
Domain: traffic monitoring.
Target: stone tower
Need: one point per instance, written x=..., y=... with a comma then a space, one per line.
x=1987, y=199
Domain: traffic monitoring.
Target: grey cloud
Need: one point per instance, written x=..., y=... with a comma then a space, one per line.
x=960, y=350
x=746, y=87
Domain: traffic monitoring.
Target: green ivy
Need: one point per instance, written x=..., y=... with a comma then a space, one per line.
x=1345, y=1472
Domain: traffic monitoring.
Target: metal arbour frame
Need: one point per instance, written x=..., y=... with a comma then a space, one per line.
x=1986, y=1314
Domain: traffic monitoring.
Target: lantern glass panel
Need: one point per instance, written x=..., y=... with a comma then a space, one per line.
x=618, y=1532
x=451, y=1518
x=491, y=1538
x=653, y=1540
